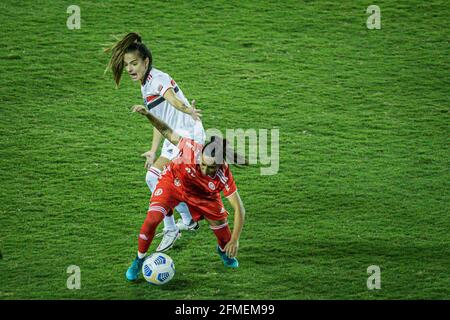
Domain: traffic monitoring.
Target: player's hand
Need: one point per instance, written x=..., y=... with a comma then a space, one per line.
x=231, y=248
x=150, y=157
x=196, y=114
x=139, y=109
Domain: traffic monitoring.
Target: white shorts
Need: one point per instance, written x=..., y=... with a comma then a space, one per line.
x=170, y=151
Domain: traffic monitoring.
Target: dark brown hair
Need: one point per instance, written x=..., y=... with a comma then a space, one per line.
x=219, y=149
x=130, y=43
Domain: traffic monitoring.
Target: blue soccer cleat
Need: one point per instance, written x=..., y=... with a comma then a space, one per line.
x=227, y=261
x=135, y=269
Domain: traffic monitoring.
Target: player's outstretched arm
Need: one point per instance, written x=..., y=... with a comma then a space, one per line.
x=161, y=126
x=232, y=246
x=171, y=96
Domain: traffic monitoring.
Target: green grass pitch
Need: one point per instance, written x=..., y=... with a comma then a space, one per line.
x=364, y=147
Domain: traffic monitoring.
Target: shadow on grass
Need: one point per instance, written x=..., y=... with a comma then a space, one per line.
x=173, y=285
x=419, y=252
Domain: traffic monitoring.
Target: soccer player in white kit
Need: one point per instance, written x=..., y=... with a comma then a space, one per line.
x=165, y=100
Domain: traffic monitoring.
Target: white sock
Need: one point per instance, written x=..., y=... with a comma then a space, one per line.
x=152, y=177
x=141, y=255
x=183, y=209
x=169, y=223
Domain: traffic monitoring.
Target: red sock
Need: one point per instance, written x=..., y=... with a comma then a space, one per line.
x=222, y=233
x=152, y=220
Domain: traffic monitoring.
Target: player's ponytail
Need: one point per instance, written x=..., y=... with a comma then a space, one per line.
x=219, y=149
x=131, y=42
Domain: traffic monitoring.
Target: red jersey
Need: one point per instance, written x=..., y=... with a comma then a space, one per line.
x=186, y=172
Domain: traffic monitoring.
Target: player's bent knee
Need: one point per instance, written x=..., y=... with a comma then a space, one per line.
x=154, y=218
x=218, y=224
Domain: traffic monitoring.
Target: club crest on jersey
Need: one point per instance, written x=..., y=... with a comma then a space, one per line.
x=177, y=182
x=158, y=192
x=211, y=186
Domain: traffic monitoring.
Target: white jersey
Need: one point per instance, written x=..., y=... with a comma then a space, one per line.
x=153, y=89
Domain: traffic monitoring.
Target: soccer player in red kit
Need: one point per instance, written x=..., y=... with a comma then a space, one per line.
x=196, y=177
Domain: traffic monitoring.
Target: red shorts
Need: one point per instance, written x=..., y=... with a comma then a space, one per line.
x=167, y=195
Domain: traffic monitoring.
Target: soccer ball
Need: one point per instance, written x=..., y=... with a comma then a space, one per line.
x=158, y=268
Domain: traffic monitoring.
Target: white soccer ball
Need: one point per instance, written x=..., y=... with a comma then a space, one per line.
x=158, y=268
